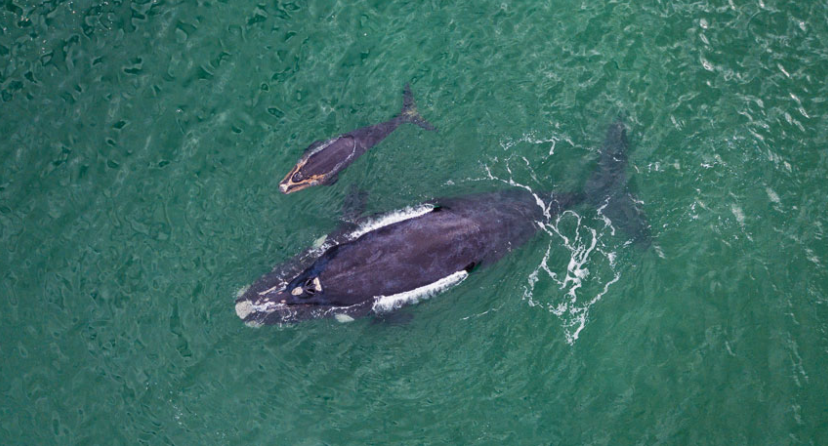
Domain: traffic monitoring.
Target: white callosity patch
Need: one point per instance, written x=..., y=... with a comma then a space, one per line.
x=383, y=304
x=244, y=308
x=280, y=287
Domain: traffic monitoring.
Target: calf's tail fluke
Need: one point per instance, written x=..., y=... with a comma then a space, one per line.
x=607, y=187
x=409, y=111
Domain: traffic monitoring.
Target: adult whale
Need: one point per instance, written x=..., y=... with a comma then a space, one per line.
x=385, y=263
x=323, y=160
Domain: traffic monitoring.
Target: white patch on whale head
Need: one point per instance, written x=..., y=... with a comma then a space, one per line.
x=244, y=308
x=384, y=304
x=391, y=218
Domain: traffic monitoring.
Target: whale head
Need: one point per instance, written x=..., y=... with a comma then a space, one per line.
x=301, y=177
x=298, y=301
x=320, y=164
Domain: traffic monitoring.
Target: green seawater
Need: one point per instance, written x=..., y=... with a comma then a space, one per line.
x=141, y=147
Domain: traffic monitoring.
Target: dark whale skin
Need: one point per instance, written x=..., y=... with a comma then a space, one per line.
x=457, y=234
x=413, y=253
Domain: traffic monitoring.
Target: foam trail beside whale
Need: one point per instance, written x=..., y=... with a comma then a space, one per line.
x=385, y=304
x=582, y=242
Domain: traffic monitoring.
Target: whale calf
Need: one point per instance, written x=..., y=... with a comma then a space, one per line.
x=323, y=160
x=383, y=263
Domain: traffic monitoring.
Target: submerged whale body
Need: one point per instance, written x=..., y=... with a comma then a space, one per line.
x=607, y=188
x=323, y=160
x=379, y=266
x=385, y=263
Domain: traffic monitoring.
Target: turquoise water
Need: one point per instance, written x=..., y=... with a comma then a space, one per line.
x=142, y=146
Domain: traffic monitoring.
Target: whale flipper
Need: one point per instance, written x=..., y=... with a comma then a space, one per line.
x=607, y=187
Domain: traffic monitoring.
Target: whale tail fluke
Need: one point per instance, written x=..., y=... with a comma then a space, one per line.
x=409, y=111
x=607, y=187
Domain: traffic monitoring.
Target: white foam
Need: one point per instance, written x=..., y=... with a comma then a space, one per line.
x=343, y=318
x=737, y=212
x=811, y=256
x=531, y=139
x=583, y=312
x=774, y=197
x=570, y=307
x=383, y=304
x=544, y=207
x=572, y=310
x=240, y=292
x=323, y=243
x=607, y=221
x=391, y=218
